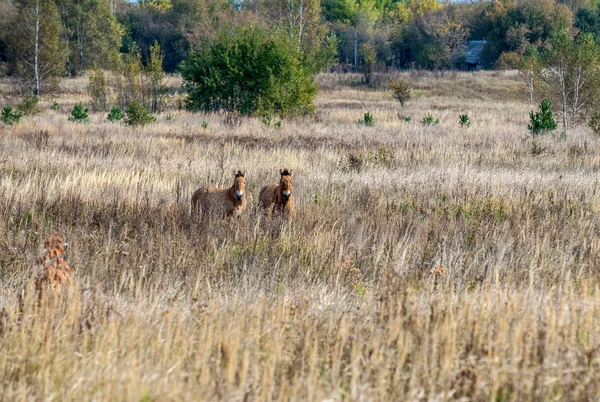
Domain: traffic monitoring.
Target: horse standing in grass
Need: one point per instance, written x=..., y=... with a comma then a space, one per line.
x=229, y=202
x=279, y=195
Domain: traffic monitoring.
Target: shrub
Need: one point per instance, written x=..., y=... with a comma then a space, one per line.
x=9, y=116
x=594, y=123
x=542, y=122
x=98, y=90
x=29, y=105
x=368, y=120
x=79, y=114
x=429, y=120
x=138, y=114
x=116, y=114
x=269, y=121
x=169, y=117
x=249, y=71
x=401, y=89
x=55, y=106
x=369, y=56
x=204, y=124
x=464, y=121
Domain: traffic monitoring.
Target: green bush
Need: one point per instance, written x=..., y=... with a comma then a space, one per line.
x=116, y=114
x=429, y=120
x=79, y=114
x=29, y=105
x=464, y=121
x=368, y=120
x=594, y=123
x=9, y=116
x=55, y=106
x=138, y=114
x=269, y=120
x=542, y=122
x=249, y=71
x=204, y=124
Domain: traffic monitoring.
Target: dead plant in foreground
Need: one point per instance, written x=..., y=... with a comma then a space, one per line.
x=55, y=271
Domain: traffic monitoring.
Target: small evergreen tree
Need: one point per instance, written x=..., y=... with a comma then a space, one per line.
x=79, y=114
x=116, y=114
x=542, y=122
x=9, y=116
x=138, y=114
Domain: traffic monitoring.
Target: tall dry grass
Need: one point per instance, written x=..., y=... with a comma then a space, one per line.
x=342, y=304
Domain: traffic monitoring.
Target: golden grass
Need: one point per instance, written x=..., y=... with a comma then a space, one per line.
x=423, y=262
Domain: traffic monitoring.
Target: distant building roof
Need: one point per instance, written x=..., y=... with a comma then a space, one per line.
x=473, y=51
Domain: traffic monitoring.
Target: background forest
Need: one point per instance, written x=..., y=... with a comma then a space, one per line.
x=73, y=36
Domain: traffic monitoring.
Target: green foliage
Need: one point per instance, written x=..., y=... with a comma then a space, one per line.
x=138, y=114
x=367, y=120
x=594, y=123
x=98, y=90
x=407, y=119
x=116, y=114
x=571, y=74
x=92, y=33
x=360, y=290
x=79, y=114
x=35, y=37
x=464, y=121
x=369, y=62
x=429, y=120
x=55, y=106
x=156, y=77
x=542, y=122
x=401, y=89
x=249, y=71
x=29, y=105
x=329, y=51
x=169, y=117
x=9, y=116
x=269, y=121
x=204, y=124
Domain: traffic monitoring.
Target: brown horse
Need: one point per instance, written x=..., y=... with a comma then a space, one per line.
x=229, y=202
x=279, y=195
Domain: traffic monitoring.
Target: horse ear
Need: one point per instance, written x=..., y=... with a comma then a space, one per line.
x=281, y=172
x=244, y=173
x=291, y=172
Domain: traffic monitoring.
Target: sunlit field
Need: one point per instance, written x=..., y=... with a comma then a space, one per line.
x=423, y=263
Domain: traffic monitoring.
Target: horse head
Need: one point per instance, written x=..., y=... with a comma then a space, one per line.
x=239, y=184
x=285, y=184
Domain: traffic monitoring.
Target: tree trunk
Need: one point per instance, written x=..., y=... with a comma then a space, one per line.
x=530, y=88
x=36, y=51
x=575, y=105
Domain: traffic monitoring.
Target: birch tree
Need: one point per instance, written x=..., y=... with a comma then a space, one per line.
x=35, y=40
x=301, y=20
x=92, y=34
x=571, y=74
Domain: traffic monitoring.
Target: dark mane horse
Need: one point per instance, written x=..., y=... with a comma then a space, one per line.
x=280, y=196
x=230, y=201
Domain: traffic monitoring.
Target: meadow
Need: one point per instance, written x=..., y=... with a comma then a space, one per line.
x=423, y=263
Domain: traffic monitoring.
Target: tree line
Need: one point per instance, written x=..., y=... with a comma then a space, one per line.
x=220, y=45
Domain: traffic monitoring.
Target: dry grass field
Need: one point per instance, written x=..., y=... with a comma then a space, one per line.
x=424, y=263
